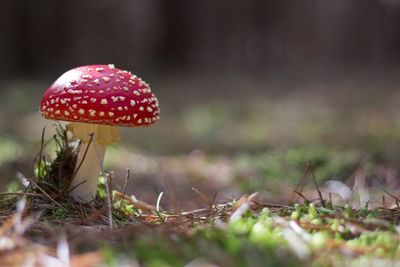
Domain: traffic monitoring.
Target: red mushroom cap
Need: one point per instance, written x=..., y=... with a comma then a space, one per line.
x=100, y=94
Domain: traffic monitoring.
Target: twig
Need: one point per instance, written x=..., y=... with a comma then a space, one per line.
x=211, y=204
x=186, y=213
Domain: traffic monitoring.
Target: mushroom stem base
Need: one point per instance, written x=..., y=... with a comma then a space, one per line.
x=84, y=184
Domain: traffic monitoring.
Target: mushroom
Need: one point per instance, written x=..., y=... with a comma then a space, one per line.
x=96, y=99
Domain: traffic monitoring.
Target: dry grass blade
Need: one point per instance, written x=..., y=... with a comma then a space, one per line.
x=41, y=151
x=321, y=199
x=40, y=189
x=83, y=158
x=125, y=186
x=202, y=196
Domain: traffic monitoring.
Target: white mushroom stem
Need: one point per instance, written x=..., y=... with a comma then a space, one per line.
x=84, y=184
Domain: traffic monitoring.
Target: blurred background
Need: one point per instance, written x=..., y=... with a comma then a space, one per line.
x=250, y=91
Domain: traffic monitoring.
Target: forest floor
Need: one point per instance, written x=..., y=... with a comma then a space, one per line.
x=307, y=177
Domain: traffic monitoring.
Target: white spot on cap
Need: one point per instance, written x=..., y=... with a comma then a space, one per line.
x=81, y=111
x=111, y=66
x=134, y=116
x=99, y=69
x=119, y=108
x=72, y=91
x=149, y=109
x=101, y=113
x=93, y=100
x=122, y=98
x=104, y=101
x=133, y=102
x=92, y=112
x=96, y=81
x=106, y=79
x=141, y=108
x=66, y=113
x=110, y=113
x=74, y=105
x=84, y=102
x=57, y=112
x=136, y=93
x=139, y=121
